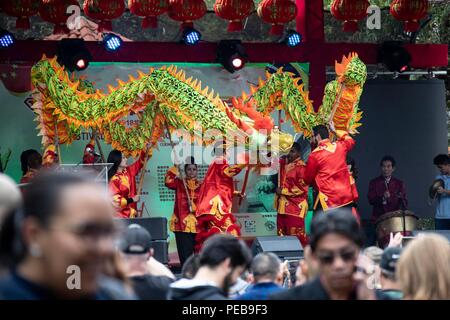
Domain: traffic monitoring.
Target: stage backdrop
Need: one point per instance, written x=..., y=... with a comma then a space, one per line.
x=17, y=132
x=405, y=119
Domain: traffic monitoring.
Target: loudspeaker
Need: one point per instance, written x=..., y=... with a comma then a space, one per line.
x=286, y=247
x=156, y=226
x=161, y=251
x=444, y=233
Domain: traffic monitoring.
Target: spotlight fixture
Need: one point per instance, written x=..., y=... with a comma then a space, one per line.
x=112, y=42
x=292, y=38
x=7, y=39
x=191, y=36
x=231, y=54
x=394, y=56
x=73, y=54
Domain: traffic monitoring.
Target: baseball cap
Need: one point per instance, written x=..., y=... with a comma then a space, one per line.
x=389, y=259
x=135, y=240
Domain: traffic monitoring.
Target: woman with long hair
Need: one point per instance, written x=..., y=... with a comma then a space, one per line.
x=122, y=183
x=422, y=269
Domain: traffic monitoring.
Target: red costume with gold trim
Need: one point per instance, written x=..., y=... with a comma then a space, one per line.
x=182, y=219
x=50, y=157
x=88, y=156
x=123, y=186
x=215, y=201
x=292, y=203
x=327, y=169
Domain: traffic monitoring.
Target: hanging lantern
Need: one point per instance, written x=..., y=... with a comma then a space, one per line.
x=410, y=12
x=234, y=11
x=55, y=11
x=104, y=11
x=22, y=10
x=149, y=9
x=349, y=11
x=186, y=11
x=278, y=13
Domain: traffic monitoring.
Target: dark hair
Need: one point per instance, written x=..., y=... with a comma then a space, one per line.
x=41, y=201
x=114, y=157
x=352, y=163
x=222, y=246
x=322, y=131
x=24, y=156
x=190, y=266
x=189, y=161
x=265, y=264
x=441, y=159
x=340, y=221
x=296, y=146
x=388, y=158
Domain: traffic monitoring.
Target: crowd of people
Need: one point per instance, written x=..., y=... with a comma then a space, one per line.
x=60, y=239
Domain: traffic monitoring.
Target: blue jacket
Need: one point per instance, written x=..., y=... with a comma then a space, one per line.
x=260, y=291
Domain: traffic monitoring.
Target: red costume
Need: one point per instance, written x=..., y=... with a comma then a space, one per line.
x=397, y=191
x=292, y=203
x=123, y=187
x=215, y=201
x=89, y=156
x=327, y=169
x=50, y=157
x=27, y=177
x=182, y=219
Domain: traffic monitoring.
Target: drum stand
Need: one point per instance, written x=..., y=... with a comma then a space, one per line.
x=403, y=206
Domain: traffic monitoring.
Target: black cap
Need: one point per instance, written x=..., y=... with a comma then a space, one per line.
x=135, y=240
x=389, y=259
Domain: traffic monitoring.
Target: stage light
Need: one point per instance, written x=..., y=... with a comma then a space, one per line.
x=292, y=38
x=112, y=42
x=394, y=56
x=73, y=54
x=7, y=39
x=191, y=36
x=231, y=54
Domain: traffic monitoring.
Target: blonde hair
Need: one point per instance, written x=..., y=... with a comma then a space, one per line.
x=422, y=269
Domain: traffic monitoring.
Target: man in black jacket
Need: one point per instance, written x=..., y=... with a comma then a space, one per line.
x=335, y=243
x=223, y=258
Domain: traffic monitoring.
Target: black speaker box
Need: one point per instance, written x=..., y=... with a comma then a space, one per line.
x=286, y=247
x=161, y=251
x=156, y=226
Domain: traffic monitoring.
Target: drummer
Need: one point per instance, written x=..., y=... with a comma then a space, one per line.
x=387, y=193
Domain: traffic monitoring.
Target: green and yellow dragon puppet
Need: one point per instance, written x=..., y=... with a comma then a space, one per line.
x=165, y=98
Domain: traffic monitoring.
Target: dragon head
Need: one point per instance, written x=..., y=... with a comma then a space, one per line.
x=351, y=71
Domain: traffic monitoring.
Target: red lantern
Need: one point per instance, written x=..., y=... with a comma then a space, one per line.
x=410, y=12
x=55, y=11
x=350, y=11
x=234, y=11
x=104, y=11
x=186, y=11
x=149, y=9
x=278, y=13
x=22, y=10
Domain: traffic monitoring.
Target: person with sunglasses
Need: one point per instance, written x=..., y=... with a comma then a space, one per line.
x=335, y=242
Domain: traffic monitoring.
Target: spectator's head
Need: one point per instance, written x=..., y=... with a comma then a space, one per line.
x=136, y=247
x=335, y=242
x=64, y=227
x=10, y=196
x=320, y=133
x=442, y=162
x=388, y=266
x=374, y=254
x=118, y=160
x=295, y=152
x=190, y=266
x=190, y=168
x=266, y=267
x=224, y=257
x=422, y=269
x=387, y=165
x=30, y=159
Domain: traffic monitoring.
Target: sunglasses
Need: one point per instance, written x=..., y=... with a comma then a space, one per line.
x=327, y=257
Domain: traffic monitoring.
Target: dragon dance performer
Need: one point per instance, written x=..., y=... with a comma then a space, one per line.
x=292, y=196
x=327, y=169
x=122, y=183
x=183, y=222
x=50, y=157
x=215, y=199
x=89, y=155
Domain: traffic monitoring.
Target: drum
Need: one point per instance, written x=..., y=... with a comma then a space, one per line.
x=393, y=222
